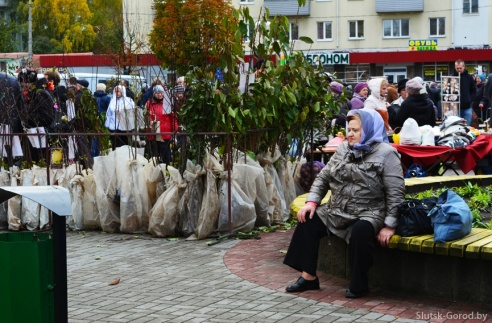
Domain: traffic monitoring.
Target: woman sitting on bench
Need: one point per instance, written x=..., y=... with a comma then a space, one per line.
x=366, y=182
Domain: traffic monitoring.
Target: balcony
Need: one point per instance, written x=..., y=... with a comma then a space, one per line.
x=286, y=8
x=384, y=6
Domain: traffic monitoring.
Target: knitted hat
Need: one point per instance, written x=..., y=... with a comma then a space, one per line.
x=360, y=86
x=158, y=88
x=413, y=86
x=433, y=84
x=336, y=87
x=401, y=84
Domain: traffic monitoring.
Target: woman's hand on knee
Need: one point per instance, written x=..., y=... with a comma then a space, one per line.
x=307, y=209
x=385, y=235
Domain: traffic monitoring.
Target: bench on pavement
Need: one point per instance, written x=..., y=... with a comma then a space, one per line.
x=456, y=270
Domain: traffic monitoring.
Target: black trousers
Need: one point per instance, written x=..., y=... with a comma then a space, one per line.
x=302, y=254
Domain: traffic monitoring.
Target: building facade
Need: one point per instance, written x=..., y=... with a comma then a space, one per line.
x=357, y=39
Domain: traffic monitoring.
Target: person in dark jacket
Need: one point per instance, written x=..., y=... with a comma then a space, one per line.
x=11, y=105
x=102, y=98
x=468, y=90
x=366, y=183
x=417, y=106
x=40, y=114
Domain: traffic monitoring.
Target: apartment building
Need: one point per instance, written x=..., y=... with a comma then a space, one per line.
x=357, y=39
x=395, y=38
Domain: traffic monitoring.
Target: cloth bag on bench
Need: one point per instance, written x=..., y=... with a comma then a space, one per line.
x=451, y=217
x=413, y=219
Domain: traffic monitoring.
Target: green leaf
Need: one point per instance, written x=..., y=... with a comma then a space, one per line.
x=232, y=113
x=306, y=39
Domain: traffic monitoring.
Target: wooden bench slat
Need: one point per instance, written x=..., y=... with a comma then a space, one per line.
x=404, y=243
x=416, y=243
x=299, y=202
x=443, y=248
x=458, y=247
x=486, y=252
x=473, y=250
x=393, y=244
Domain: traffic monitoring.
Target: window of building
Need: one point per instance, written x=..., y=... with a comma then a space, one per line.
x=437, y=27
x=470, y=6
x=246, y=1
x=356, y=29
x=325, y=30
x=294, y=31
x=396, y=28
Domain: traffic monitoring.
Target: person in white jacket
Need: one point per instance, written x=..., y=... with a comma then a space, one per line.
x=377, y=98
x=120, y=116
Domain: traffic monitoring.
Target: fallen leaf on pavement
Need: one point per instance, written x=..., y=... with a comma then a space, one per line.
x=115, y=282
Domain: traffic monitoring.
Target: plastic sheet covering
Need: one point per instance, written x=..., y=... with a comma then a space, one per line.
x=104, y=177
x=4, y=181
x=191, y=201
x=164, y=215
x=29, y=208
x=89, y=204
x=286, y=177
x=297, y=166
x=274, y=187
x=76, y=189
x=243, y=214
x=156, y=180
x=41, y=179
x=134, y=199
x=209, y=211
x=14, y=203
x=259, y=193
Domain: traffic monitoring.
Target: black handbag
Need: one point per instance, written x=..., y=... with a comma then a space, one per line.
x=413, y=217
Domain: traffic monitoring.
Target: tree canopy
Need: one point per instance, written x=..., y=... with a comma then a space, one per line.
x=66, y=21
x=187, y=33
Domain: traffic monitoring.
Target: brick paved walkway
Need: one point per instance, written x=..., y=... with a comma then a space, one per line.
x=260, y=262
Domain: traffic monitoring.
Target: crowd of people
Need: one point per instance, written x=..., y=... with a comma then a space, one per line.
x=364, y=175
x=414, y=98
x=44, y=105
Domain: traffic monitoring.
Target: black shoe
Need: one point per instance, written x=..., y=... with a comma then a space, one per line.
x=302, y=285
x=349, y=294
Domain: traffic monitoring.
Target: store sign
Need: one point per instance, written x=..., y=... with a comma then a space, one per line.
x=328, y=58
x=61, y=70
x=417, y=45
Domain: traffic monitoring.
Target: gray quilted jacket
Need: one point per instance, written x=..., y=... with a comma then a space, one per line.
x=367, y=186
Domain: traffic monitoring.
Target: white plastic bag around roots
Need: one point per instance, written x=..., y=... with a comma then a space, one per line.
x=243, y=214
x=105, y=178
x=134, y=202
x=164, y=215
x=209, y=211
x=29, y=208
x=274, y=187
x=259, y=193
x=76, y=221
x=41, y=179
x=191, y=200
x=14, y=203
x=286, y=177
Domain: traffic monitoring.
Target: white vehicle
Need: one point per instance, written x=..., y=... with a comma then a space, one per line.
x=135, y=81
